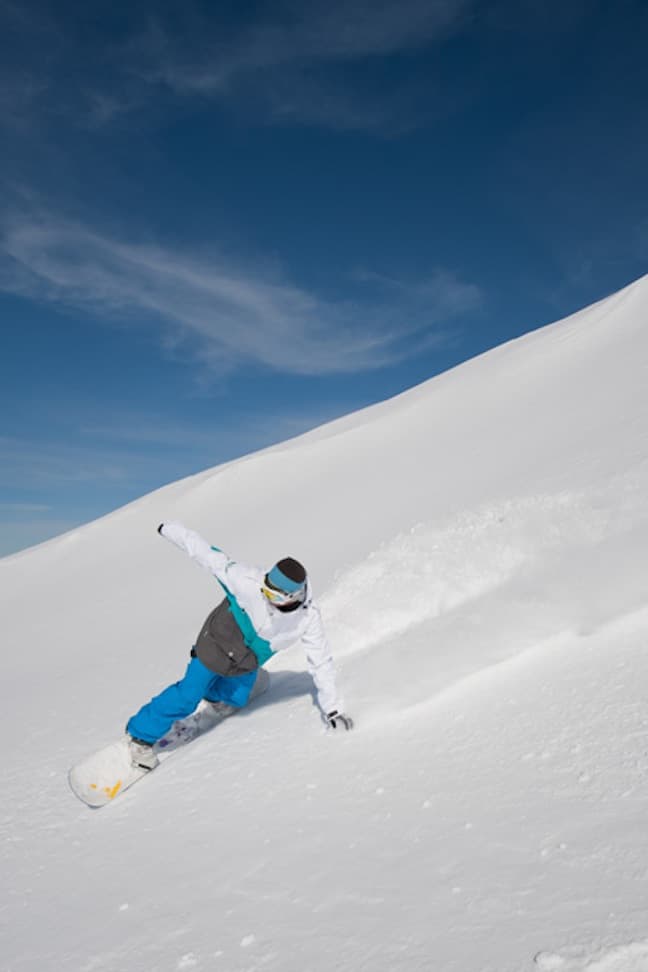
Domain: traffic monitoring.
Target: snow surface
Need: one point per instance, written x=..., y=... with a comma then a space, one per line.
x=479, y=544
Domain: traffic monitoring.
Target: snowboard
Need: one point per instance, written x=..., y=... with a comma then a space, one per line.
x=103, y=775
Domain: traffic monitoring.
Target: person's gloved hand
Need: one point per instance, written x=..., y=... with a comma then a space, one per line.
x=337, y=720
x=160, y=528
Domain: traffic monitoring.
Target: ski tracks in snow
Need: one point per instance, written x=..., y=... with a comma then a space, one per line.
x=443, y=602
x=631, y=957
x=435, y=569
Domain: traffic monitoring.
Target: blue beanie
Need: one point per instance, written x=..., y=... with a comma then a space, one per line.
x=287, y=575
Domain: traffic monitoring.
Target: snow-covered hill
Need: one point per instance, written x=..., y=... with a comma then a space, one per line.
x=479, y=546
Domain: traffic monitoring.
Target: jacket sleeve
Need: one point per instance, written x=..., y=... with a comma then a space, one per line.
x=212, y=559
x=320, y=663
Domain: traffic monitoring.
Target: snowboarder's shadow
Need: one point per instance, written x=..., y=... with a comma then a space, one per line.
x=284, y=685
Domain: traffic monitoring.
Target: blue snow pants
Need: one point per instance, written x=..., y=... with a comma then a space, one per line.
x=178, y=701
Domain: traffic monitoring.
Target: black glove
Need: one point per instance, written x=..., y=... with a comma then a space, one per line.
x=337, y=720
x=160, y=528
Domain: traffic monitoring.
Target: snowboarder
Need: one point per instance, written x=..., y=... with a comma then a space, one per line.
x=261, y=614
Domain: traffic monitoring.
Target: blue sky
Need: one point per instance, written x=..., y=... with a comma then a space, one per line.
x=224, y=223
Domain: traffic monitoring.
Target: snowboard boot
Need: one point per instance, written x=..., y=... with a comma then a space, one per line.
x=142, y=753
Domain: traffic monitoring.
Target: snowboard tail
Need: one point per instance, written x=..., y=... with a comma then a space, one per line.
x=101, y=777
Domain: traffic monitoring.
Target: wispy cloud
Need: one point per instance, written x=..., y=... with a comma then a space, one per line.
x=285, y=61
x=306, y=61
x=24, y=79
x=49, y=464
x=441, y=289
x=301, y=33
x=289, y=58
x=229, y=315
x=130, y=452
x=21, y=508
x=251, y=431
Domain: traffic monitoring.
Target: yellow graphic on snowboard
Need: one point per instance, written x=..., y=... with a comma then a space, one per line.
x=111, y=792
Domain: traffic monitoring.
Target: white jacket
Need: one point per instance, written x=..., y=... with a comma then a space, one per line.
x=280, y=629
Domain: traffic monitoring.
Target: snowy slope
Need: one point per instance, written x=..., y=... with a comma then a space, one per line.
x=479, y=547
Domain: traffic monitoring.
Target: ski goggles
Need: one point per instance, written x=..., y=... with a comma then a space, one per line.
x=282, y=598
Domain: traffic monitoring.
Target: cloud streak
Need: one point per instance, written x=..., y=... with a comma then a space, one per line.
x=229, y=316
x=20, y=508
x=291, y=61
x=302, y=33
x=287, y=62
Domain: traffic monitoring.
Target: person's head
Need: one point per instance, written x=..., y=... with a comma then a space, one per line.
x=285, y=584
